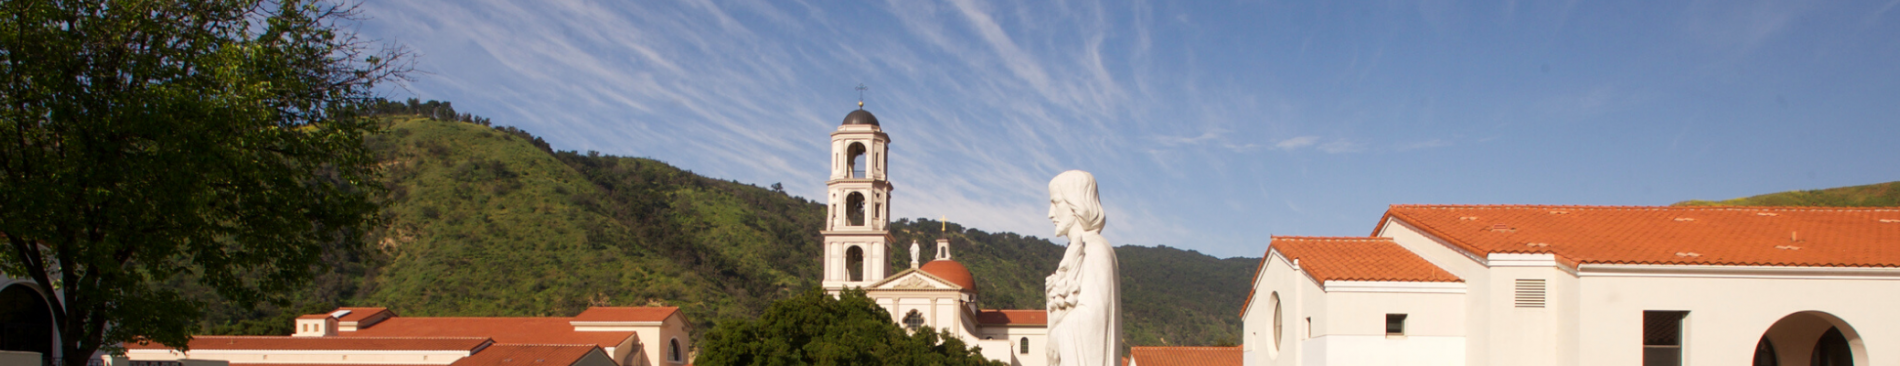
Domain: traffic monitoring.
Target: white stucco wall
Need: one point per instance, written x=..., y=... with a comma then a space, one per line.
x=1731, y=308
x=1012, y=336
x=1348, y=321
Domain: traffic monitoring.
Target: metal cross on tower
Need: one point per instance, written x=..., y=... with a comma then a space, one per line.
x=861, y=89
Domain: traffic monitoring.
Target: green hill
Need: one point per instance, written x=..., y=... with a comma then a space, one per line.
x=492, y=222
x=1871, y=195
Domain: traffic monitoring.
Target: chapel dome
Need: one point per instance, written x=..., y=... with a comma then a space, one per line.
x=952, y=271
x=860, y=117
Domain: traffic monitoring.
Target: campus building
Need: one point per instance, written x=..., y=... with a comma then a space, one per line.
x=1584, y=285
x=600, y=336
x=940, y=293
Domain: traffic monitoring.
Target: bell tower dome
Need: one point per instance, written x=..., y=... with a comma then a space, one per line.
x=858, y=206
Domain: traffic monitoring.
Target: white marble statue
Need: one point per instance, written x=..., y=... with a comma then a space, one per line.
x=1084, y=295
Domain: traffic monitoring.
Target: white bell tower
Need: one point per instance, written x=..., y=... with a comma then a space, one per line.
x=858, y=204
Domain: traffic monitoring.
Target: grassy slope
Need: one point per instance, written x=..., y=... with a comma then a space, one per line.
x=1879, y=194
x=483, y=223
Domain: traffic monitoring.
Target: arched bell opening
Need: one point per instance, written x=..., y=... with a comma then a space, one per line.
x=26, y=324
x=854, y=209
x=1810, y=338
x=854, y=156
x=854, y=263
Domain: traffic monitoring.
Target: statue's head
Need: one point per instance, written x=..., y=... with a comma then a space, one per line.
x=1073, y=201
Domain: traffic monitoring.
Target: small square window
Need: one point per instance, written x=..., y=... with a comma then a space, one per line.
x=1395, y=324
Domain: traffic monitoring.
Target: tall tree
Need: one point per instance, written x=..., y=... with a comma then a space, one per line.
x=140, y=140
x=817, y=329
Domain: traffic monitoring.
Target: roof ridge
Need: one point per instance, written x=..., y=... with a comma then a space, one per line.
x=548, y=344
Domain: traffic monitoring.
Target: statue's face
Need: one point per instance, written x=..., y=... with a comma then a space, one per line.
x=1061, y=215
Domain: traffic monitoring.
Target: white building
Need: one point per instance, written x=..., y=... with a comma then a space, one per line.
x=1572, y=285
x=941, y=293
x=600, y=336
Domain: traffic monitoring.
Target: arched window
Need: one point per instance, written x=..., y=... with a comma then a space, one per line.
x=854, y=209
x=854, y=263
x=673, y=350
x=854, y=155
x=1025, y=346
x=913, y=320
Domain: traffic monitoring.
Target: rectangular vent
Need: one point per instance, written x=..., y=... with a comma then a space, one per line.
x=1530, y=293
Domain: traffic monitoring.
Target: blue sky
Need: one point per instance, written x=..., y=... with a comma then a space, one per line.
x=1209, y=124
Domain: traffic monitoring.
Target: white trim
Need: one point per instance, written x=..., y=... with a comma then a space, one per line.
x=1521, y=260
x=1762, y=272
x=1395, y=287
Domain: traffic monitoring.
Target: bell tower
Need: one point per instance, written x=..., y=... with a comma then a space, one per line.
x=858, y=206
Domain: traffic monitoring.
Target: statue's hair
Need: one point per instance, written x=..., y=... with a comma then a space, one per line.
x=1077, y=188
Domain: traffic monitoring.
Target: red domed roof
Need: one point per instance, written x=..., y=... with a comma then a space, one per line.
x=952, y=271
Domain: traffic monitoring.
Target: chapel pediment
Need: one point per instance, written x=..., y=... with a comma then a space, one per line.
x=912, y=279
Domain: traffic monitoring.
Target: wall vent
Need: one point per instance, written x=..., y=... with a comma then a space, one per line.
x=1530, y=293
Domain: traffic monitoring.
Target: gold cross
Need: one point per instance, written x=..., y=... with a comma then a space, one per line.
x=943, y=223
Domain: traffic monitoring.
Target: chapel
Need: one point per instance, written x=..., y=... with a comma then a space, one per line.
x=939, y=293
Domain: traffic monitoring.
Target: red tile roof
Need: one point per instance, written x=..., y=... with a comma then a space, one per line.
x=537, y=330
x=1013, y=317
x=529, y=355
x=952, y=271
x=1357, y=259
x=358, y=314
x=1184, y=356
x=326, y=343
x=1760, y=236
x=314, y=316
x=626, y=314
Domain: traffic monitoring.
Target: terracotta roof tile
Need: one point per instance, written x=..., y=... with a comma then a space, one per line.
x=358, y=314
x=327, y=343
x=503, y=330
x=1013, y=317
x=1759, y=236
x=321, y=364
x=626, y=314
x=528, y=355
x=1358, y=259
x=1184, y=356
x=952, y=271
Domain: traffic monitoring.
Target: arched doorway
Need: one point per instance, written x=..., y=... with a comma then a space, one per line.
x=1810, y=338
x=25, y=322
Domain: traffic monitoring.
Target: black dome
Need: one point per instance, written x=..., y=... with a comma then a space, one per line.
x=860, y=117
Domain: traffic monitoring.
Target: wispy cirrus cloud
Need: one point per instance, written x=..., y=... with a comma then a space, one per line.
x=1296, y=143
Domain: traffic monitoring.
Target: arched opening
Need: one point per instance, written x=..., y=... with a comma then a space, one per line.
x=854, y=263
x=26, y=324
x=854, y=209
x=1765, y=353
x=854, y=156
x=1025, y=346
x=673, y=350
x=1810, y=338
x=913, y=320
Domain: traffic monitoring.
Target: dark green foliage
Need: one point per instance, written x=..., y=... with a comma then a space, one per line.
x=489, y=224
x=151, y=145
x=1871, y=195
x=813, y=328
